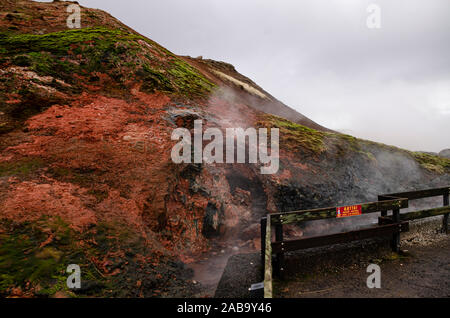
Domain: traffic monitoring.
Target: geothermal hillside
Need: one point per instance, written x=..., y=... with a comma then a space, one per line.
x=86, y=177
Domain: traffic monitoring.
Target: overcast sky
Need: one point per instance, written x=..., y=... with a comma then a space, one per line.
x=318, y=56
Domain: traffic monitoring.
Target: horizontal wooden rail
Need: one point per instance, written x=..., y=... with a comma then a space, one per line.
x=377, y=231
x=421, y=194
x=424, y=213
x=328, y=213
x=414, y=195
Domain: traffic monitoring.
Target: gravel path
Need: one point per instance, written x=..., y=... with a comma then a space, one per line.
x=241, y=272
x=421, y=270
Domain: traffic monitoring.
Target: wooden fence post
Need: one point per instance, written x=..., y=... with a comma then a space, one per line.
x=445, y=219
x=268, y=260
x=383, y=215
x=383, y=212
x=263, y=245
x=280, y=255
x=396, y=237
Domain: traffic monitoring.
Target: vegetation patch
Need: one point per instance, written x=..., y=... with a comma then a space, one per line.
x=28, y=263
x=432, y=163
x=155, y=80
x=122, y=55
x=60, y=42
x=21, y=168
x=34, y=258
x=294, y=135
x=188, y=80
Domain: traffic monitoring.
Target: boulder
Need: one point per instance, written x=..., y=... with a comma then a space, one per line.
x=445, y=153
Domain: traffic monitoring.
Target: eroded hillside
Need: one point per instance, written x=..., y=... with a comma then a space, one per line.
x=86, y=177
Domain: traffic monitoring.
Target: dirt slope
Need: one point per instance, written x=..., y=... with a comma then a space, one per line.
x=86, y=177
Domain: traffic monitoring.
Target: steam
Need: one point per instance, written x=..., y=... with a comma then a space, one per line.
x=390, y=171
x=227, y=111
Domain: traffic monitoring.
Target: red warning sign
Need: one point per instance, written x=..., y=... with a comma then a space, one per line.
x=351, y=210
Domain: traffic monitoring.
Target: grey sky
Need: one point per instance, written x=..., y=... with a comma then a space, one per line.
x=390, y=85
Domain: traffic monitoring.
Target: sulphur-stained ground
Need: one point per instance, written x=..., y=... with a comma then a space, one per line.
x=421, y=270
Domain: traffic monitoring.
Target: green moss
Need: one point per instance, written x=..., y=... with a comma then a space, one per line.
x=20, y=168
x=44, y=64
x=22, y=60
x=294, y=135
x=22, y=261
x=180, y=77
x=432, y=163
x=60, y=42
x=49, y=253
x=188, y=80
x=63, y=54
x=154, y=80
x=114, y=52
x=58, y=283
x=25, y=264
x=351, y=141
x=370, y=156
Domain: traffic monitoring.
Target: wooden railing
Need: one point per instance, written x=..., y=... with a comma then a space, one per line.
x=388, y=226
x=421, y=194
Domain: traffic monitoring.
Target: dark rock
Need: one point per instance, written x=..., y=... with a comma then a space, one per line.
x=183, y=117
x=212, y=220
x=445, y=153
